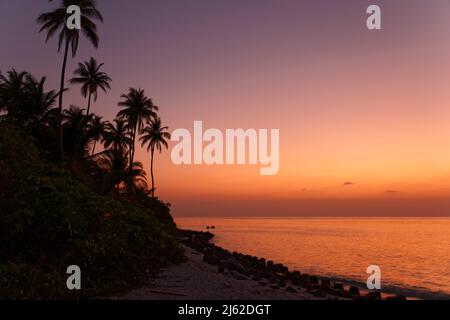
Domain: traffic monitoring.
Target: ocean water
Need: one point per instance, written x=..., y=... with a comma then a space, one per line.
x=413, y=253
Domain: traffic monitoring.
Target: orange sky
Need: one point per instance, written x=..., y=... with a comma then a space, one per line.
x=352, y=105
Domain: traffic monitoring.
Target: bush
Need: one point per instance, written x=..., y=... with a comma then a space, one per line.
x=49, y=220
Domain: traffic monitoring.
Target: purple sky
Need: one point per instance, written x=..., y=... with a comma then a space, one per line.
x=351, y=104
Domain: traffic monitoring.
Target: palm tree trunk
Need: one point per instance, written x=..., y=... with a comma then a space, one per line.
x=132, y=148
x=60, y=104
x=93, y=149
x=151, y=173
x=89, y=103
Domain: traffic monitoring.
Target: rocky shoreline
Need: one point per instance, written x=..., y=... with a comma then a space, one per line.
x=276, y=275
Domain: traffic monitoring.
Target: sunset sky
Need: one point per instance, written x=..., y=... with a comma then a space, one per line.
x=364, y=116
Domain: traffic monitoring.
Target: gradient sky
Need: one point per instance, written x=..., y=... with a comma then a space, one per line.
x=363, y=115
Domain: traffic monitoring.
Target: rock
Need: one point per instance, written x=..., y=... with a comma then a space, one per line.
x=326, y=283
x=314, y=279
x=354, y=291
x=221, y=268
x=314, y=286
x=319, y=293
x=237, y=275
x=275, y=287
x=333, y=292
x=281, y=276
x=290, y=289
x=339, y=286
x=304, y=280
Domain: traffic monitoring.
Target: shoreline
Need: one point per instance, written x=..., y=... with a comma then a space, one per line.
x=214, y=273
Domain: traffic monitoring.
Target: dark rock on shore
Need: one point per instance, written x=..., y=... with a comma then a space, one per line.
x=277, y=275
x=354, y=291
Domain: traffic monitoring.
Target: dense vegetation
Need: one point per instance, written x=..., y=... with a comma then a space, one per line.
x=71, y=192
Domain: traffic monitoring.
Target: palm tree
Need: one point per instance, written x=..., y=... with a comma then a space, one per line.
x=12, y=89
x=24, y=98
x=55, y=21
x=117, y=136
x=138, y=109
x=116, y=170
x=90, y=77
x=97, y=127
x=77, y=137
x=154, y=136
x=39, y=103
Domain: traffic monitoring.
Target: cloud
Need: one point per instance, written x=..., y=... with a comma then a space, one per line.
x=348, y=183
x=391, y=191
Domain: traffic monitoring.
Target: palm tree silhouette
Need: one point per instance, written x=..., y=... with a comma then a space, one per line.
x=97, y=127
x=117, y=136
x=90, y=77
x=12, y=86
x=55, y=21
x=154, y=136
x=138, y=109
x=117, y=170
x=77, y=135
x=24, y=99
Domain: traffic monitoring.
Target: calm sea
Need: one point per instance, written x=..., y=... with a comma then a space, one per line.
x=413, y=254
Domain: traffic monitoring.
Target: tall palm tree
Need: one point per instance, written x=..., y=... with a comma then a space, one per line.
x=117, y=136
x=138, y=109
x=155, y=137
x=90, y=77
x=55, y=21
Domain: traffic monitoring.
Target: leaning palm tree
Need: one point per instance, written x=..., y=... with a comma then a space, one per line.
x=138, y=109
x=90, y=77
x=155, y=137
x=55, y=21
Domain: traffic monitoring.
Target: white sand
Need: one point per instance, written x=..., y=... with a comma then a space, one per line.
x=197, y=280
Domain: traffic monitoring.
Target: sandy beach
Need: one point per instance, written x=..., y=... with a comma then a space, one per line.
x=198, y=280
